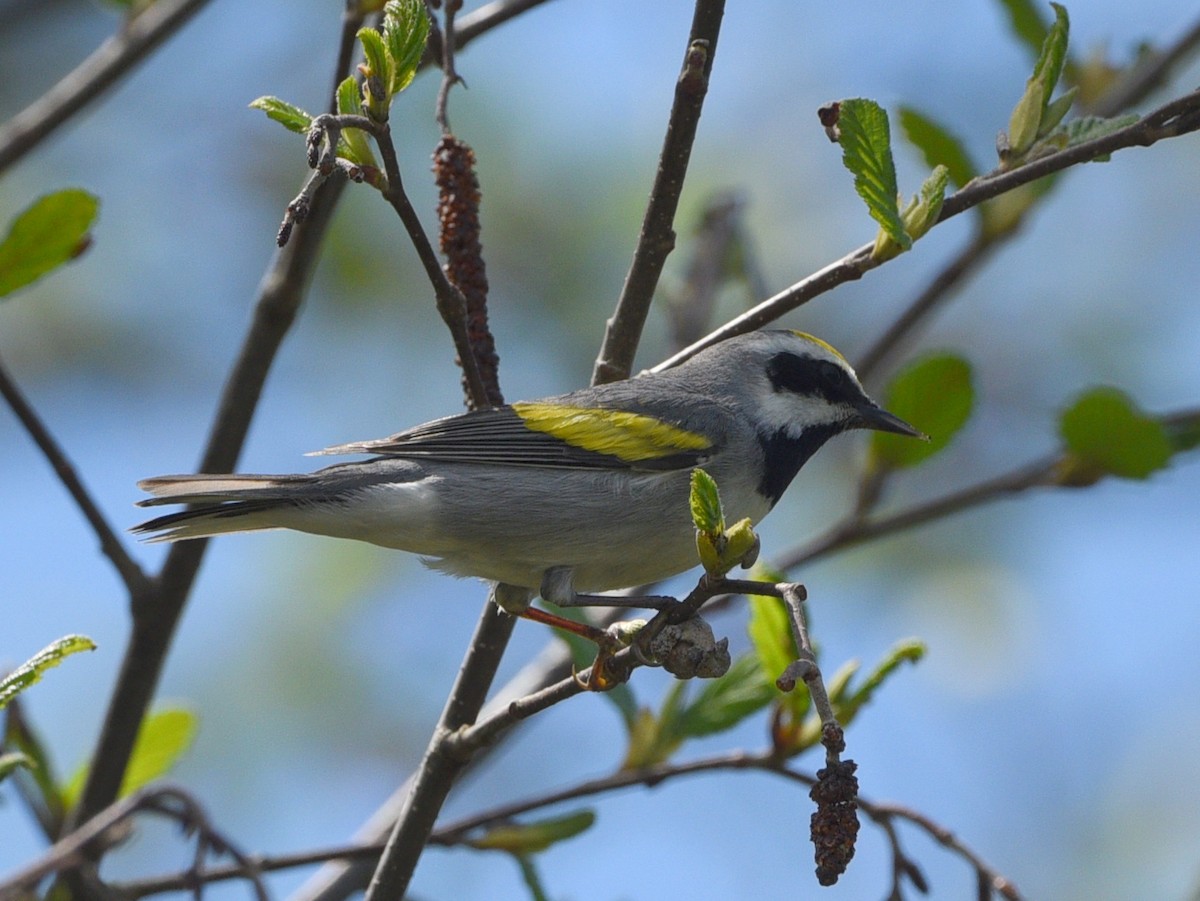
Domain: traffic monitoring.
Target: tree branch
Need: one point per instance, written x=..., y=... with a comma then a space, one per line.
x=657, y=238
x=1178, y=117
x=135, y=579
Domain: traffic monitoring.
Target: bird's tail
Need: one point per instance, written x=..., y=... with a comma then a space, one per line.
x=221, y=503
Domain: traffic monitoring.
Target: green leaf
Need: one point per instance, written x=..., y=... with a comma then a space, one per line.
x=406, y=30
x=1106, y=434
x=922, y=214
x=163, y=738
x=1025, y=121
x=48, y=657
x=1088, y=128
x=935, y=394
x=530, y=838
x=850, y=702
x=1026, y=23
x=1049, y=66
x=705, y=503
x=866, y=143
x=378, y=72
x=1029, y=115
x=353, y=144
x=290, y=117
x=651, y=741
x=10, y=763
x=770, y=632
x=51, y=231
x=726, y=701
x=937, y=145
x=1056, y=111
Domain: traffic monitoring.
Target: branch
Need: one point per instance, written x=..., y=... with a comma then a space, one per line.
x=156, y=615
x=439, y=768
x=100, y=71
x=72, y=851
x=1178, y=117
x=132, y=575
x=657, y=238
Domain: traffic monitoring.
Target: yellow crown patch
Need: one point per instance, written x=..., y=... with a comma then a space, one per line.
x=823, y=344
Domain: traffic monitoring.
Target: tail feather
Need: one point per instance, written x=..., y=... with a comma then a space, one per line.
x=205, y=488
x=224, y=503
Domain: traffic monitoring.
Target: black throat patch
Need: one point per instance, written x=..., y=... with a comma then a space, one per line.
x=784, y=454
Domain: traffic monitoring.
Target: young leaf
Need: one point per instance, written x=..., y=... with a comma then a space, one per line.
x=1049, y=66
x=1106, y=434
x=290, y=117
x=770, y=632
x=378, y=73
x=1088, y=128
x=1029, y=115
x=850, y=702
x=726, y=701
x=922, y=214
x=353, y=145
x=936, y=394
x=162, y=739
x=31, y=670
x=655, y=737
x=866, y=143
x=937, y=145
x=49, y=232
x=705, y=503
x=406, y=30
x=529, y=838
x=1056, y=111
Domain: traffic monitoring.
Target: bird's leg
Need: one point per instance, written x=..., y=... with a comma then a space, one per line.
x=515, y=600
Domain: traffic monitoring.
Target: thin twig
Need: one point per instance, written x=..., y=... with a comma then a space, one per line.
x=657, y=237
x=1178, y=117
x=456, y=832
x=91, y=78
x=1132, y=87
x=135, y=579
x=449, y=75
x=451, y=304
x=73, y=849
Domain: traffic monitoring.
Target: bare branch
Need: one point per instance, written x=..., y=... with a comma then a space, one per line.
x=134, y=578
x=657, y=238
x=73, y=850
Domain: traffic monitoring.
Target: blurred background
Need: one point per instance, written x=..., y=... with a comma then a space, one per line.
x=1053, y=726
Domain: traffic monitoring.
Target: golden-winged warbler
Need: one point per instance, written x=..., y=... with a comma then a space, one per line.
x=579, y=493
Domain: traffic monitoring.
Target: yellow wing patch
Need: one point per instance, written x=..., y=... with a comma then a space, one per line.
x=823, y=344
x=627, y=436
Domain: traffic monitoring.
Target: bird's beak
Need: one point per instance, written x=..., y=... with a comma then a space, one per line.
x=879, y=419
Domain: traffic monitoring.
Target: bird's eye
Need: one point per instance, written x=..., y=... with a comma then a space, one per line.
x=832, y=375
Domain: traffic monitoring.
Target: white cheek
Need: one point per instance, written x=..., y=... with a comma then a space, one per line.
x=783, y=410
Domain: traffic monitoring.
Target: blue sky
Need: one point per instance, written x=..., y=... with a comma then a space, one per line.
x=1053, y=725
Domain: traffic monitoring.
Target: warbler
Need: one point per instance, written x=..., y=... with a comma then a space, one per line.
x=570, y=495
